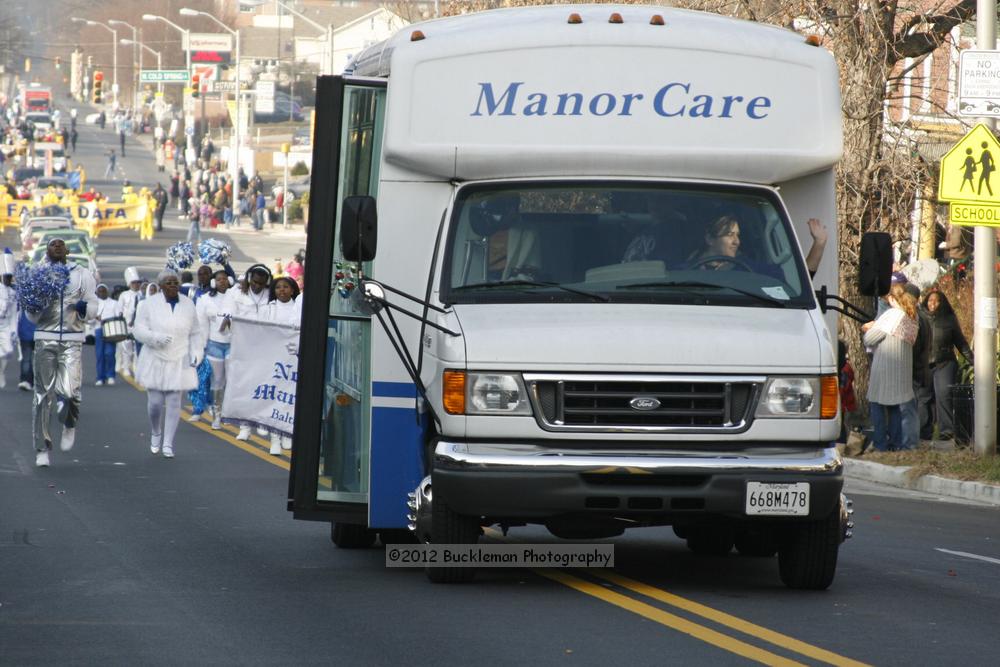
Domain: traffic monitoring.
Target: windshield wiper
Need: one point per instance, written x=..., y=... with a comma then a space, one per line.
x=532, y=283
x=697, y=283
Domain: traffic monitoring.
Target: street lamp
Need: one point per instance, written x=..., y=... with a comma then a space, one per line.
x=136, y=62
x=327, y=31
x=234, y=160
x=159, y=59
x=185, y=32
x=114, y=53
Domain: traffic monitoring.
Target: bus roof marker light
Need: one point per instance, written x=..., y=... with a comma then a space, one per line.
x=657, y=20
x=615, y=18
x=416, y=36
x=574, y=18
x=814, y=40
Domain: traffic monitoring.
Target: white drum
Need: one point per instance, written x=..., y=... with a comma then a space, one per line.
x=115, y=329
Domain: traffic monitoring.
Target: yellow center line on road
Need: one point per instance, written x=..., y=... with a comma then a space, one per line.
x=689, y=606
x=673, y=621
x=728, y=620
x=278, y=461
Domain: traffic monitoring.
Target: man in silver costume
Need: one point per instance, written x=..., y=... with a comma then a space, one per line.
x=59, y=336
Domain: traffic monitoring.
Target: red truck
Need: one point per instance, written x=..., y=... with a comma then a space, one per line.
x=36, y=98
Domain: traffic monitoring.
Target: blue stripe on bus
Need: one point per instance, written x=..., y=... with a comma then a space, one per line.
x=394, y=389
x=396, y=464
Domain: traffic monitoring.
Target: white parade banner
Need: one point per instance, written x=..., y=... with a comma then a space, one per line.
x=261, y=372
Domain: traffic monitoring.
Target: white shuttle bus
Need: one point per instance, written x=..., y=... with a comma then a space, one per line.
x=556, y=274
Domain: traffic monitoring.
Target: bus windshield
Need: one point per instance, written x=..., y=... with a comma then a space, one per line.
x=623, y=242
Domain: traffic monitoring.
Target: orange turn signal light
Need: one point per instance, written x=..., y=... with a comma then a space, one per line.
x=615, y=18
x=829, y=397
x=453, y=397
x=416, y=36
x=657, y=20
x=574, y=18
x=814, y=40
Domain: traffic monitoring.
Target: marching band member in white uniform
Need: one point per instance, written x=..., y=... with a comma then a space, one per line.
x=213, y=313
x=127, y=302
x=173, y=345
x=250, y=302
x=285, y=307
x=8, y=316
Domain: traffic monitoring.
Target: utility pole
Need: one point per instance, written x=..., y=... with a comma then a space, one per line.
x=985, y=364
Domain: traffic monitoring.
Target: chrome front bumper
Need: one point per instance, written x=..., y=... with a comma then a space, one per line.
x=494, y=457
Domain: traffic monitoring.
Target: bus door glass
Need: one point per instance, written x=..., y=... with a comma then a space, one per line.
x=331, y=457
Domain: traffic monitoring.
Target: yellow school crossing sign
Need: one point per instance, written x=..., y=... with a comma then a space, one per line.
x=970, y=180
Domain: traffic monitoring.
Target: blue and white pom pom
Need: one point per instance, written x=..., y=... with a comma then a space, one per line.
x=213, y=251
x=37, y=286
x=180, y=256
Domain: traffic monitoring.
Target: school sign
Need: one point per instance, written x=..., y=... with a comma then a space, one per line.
x=969, y=180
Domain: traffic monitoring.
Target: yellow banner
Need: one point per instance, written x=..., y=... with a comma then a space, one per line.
x=135, y=213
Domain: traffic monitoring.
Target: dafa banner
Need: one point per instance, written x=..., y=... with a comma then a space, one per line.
x=92, y=216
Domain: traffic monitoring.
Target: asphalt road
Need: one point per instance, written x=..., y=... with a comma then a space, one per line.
x=115, y=557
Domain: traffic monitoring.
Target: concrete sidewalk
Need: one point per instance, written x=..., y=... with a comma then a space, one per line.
x=898, y=476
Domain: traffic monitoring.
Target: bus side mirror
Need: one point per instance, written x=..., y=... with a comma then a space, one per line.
x=358, y=228
x=875, y=264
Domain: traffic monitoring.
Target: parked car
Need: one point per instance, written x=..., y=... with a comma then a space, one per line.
x=49, y=217
x=298, y=186
x=52, y=182
x=302, y=137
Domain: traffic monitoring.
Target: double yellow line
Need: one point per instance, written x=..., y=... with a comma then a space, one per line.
x=693, y=629
x=258, y=447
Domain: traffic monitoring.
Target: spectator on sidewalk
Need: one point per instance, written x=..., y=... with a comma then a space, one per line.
x=260, y=210
x=912, y=417
x=891, y=337
x=946, y=337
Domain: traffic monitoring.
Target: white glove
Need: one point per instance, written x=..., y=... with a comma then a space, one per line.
x=163, y=340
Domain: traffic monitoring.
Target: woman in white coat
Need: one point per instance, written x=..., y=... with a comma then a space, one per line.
x=283, y=308
x=173, y=345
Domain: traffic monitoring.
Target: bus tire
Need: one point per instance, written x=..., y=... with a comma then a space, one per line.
x=397, y=536
x=449, y=527
x=807, y=559
x=351, y=536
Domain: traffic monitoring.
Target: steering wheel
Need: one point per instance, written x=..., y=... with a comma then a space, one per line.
x=701, y=261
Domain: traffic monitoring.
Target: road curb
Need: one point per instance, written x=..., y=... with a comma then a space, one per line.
x=941, y=486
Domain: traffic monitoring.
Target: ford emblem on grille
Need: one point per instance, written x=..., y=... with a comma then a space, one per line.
x=644, y=403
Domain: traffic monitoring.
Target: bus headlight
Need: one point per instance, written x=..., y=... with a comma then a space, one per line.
x=483, y=393
x=790, y=397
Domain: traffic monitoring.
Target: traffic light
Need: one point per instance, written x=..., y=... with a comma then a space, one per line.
x=90, y=61
x=98, y=87
x=58, y=62
x=195, y=85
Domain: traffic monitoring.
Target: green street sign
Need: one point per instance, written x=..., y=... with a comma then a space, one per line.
x=164, y=76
